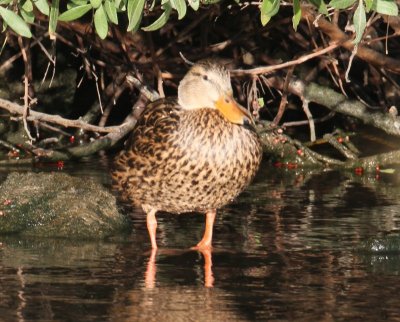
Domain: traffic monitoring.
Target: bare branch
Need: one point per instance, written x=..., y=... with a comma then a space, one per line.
x=90, y=148
x=339, y=103
x=14, y=108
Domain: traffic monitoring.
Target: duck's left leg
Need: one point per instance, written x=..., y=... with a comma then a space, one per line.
x=151, y=225
x=206, y=241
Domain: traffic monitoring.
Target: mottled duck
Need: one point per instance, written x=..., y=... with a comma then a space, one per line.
x=191, y=154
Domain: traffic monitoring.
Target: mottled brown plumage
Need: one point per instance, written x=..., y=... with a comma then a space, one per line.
x=182, y=159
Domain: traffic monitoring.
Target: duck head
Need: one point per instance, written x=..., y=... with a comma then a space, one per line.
x=208, y=84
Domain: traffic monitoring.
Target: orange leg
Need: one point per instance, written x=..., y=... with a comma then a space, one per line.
x=152, y=227
x=150, y=274
x=208, y=273
x=206, y=241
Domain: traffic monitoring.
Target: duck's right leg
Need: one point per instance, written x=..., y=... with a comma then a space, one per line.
x=206, y=241
x=152, y=225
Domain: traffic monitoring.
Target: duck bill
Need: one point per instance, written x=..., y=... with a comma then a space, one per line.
x=232, y=111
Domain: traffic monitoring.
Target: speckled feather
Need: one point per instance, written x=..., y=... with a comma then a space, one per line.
x=186, y=160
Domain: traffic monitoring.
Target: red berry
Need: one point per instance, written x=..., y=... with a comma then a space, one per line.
x=291, y=165
x=359, y=170
x=60, y=165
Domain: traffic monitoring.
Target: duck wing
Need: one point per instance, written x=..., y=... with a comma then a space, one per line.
x=147, y=150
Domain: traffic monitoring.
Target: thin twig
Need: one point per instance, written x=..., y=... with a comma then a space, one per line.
x=269, y=69
x=284, y=101
x=310, y=119
x=53, y=129
x=39, y=42
x=52, y=61
x=26, y=108
x=8, y=146
x=353, y=54
x=117, y=93
x=305, y=122
x=185, y=33
x=26, y=87
x=8, y=63
x=48, y=141
x=98, y=90
x=187, y=61
x=148, y=92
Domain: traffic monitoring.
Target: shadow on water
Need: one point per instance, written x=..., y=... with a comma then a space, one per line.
x=287, y=249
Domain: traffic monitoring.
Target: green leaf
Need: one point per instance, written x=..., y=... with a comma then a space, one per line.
x=5, y=2
x=120, y=4
x=320, y=4
x=195, y=4
x=180, y=7
x=269, y=8
x=385, y=7
x=341, y=4
x=42, y=6
x=95, y=3
x=15, y=22
x=368, y=5
x=27, y=6
x=75, y=13
x=111, y=11
x=296, y=14
x=359, y=21
x=162, y=20
x=79, y=2
x=100, y=22
x=29, y=17
x=135, y=12
x=261, y=102
x=390, y=171
x=53, y=18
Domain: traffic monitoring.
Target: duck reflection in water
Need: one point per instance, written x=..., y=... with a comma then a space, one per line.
x=191, y=154
x=151, y=269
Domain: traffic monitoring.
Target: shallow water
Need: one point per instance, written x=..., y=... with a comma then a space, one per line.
x=287, y=249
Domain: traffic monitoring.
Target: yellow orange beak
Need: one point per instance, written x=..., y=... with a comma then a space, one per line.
x=232, y=111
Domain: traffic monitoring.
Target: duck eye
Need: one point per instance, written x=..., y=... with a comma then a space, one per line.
x=227, y=100
x=205, y=77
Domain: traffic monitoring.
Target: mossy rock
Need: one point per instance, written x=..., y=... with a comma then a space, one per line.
x=58, y=205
